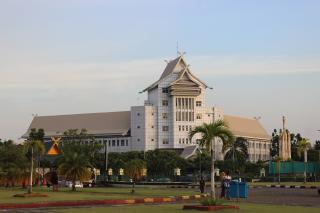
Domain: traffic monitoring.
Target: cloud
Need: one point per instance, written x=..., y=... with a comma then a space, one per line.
x=46, y=74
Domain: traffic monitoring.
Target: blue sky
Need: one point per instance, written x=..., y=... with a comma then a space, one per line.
x=59, y=57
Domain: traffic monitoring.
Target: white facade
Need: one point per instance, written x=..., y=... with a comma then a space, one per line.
x=175, y=105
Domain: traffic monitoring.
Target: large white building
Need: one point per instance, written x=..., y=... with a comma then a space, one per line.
x=175, y=105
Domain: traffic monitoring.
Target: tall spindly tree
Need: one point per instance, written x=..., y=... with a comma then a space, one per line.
x=34, y=145
x=209, y=133
x=302, y=147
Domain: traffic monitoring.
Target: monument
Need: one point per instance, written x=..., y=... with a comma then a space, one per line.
x=284, y=142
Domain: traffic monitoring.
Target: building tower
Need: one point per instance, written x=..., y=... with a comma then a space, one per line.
x=284, y=142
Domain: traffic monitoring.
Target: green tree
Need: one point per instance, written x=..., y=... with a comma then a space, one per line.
x=210, y=132
x=317, y=145
x=237, y=152
x=134, y=170
x=75, y=163
x=274, y=150
x=302, y=147
x=34, y=144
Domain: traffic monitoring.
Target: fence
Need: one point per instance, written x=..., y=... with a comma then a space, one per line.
x=293, y=167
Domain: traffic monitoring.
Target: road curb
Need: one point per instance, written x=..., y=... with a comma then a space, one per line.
x=147, y=200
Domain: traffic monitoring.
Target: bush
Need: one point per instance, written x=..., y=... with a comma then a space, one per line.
x=211, y=202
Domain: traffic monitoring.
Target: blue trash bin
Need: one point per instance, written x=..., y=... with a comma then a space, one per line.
x=238, y=189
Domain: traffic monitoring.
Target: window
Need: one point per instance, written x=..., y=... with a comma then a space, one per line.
x=138, y=127
x=199, y=116
x=165, y=141
x=113, y=142
x=152, y=114
x=179, y=128
x=152, y=139
x=183, y=140
x=180, y=140
x=187, y=140
x=127, y=142
x=122, y=142
x=138, y=114
x=164, y=102
x=109, y=143
x=187, y=128
x=165, y=128
x=198, y=103
x=152, y=127
x=138, y=139
x=190, y=128
x=182, y=128
x=165, y=115
x=118, y=142
x=165, y=90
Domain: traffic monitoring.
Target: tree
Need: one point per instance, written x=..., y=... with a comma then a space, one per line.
x=75, y=163
x=237, y=152
x=134, y=170
x=317, y=145
x=209, y=133
x=35, y=146
x=274, y=150
x=302, y=147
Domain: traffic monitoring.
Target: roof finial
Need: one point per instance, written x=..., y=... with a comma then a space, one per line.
x=178, y=48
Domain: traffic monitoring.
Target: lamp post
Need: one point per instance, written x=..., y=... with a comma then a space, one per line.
x=105, y=161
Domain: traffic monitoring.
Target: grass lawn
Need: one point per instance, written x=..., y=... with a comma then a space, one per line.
x=6, y=195
x=286, y=183
x=176, y=208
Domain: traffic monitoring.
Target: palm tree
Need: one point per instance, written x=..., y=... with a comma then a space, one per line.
x=209, y=133
x=35, y=146
x=134, y=169
x=303, y=146
x=237, y=151
x=75, y=165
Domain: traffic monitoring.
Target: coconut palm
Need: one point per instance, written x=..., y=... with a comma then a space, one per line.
x=209, y=133
x=134, y=169
x=302, y=147
x=75, y=164
x=237, y=151
x=34, y=146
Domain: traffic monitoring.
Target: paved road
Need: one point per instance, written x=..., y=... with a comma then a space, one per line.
x=282, y=196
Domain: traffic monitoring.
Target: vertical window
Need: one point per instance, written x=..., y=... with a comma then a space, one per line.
x=164, y=102
x=180, y=140
x=187, y=128
x=198, y=103
x=179, y=128
x=199, y=116
x=165, y=141
x=165, y=90
x=113, y=143
x=182, y=128
x=117, y=142
x=127, y=142
x=165, y=128
x=183, y=140
x=164, y=115
x=122, y=142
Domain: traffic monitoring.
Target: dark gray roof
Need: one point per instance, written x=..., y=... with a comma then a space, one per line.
x=105, y=123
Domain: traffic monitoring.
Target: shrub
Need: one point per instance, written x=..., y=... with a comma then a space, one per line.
x=211, y=202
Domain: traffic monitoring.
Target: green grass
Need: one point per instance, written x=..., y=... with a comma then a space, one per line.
x=176, y=208
x=6, y=195
x=285, y=183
